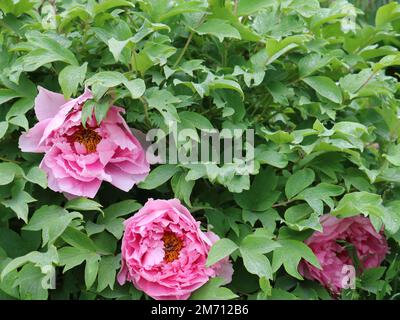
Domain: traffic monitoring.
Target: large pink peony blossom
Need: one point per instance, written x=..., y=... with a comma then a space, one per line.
x=78, y=159
x=164, y=252
x=371, y=248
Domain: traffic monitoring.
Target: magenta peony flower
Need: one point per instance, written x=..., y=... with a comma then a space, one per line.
x=371, y=248
x=164, y=252
x=78, y=159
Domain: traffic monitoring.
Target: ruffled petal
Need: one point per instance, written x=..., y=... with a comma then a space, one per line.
x=48, y=104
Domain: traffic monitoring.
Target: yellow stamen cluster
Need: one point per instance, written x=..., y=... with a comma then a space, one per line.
x=172, y=246
x=88, y=137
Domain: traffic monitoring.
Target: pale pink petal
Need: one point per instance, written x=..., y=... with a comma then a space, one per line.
x=143, y=253
x=48, y=103
x=29, y=141
x=120, y=179
x=371, y=248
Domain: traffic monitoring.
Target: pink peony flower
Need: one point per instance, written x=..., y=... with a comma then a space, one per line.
x=371, y=248
x=164, y=252
x=78, y=159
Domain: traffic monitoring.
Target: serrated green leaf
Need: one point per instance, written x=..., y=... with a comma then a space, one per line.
x=212, y=290
x=298, y=181
x=52, y=221
x=219, y=250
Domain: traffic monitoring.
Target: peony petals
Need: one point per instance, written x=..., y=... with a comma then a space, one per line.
x=120, y=179
x=173, y=273
x=334, y=259
x=78, y=159
x=48, y=104
x=30, y=141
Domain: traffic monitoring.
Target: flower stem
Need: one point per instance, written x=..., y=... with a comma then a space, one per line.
x=9, y=160
x=183, y=50
x=145, y=109
x=283, y=204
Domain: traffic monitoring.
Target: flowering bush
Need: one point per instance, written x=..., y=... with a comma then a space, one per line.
x=307, y=208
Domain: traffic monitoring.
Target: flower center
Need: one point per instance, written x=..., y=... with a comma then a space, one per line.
x=88, y=137
x=172, y=246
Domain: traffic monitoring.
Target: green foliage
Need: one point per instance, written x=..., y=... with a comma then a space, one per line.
x=316, y=80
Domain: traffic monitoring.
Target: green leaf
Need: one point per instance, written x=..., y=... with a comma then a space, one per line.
x=110, y=4
x=119, y=209
x=70, y=78
x=78, y=239
x=8, y=172
x=359, y=202
x=393, y=155
x=83, y=204
x=20, y=108
x=195, y=120
x=136, y=87
x=311, y=63
x=219, y=250
x=7, y=283
x=91, y=270
x=356, y=84
x=87, y=111
x=13, y=244
x=37, y=176
x=387, y=61
x=248, y=7
x=298, y=181
x=116, y=47
x=52, y=220
x=159, y=176
x=106, y=79
x=273, y=158
x=325, y=87
x=289, y=254
x=225, y=84
x=43, y=260
x=323, y=192
x=256, y=263
x=182, y=188
x=262, y=194
x=252, y=249
x=32, y=61
x=7, y=94
x=111, y=221
x=107, y=272
x=163, y=101
x=276, y=48
x=3, y=129
x=20, y=121
x=279, y=137
x=391, y=218
x=258, y=243
x=71, y=257
x=52, y=46
x=19, y=200
x=387, y=14
x=219, y=28
x=212, y=290
x=29, y=281
x=101, y=109
x=301, y=217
